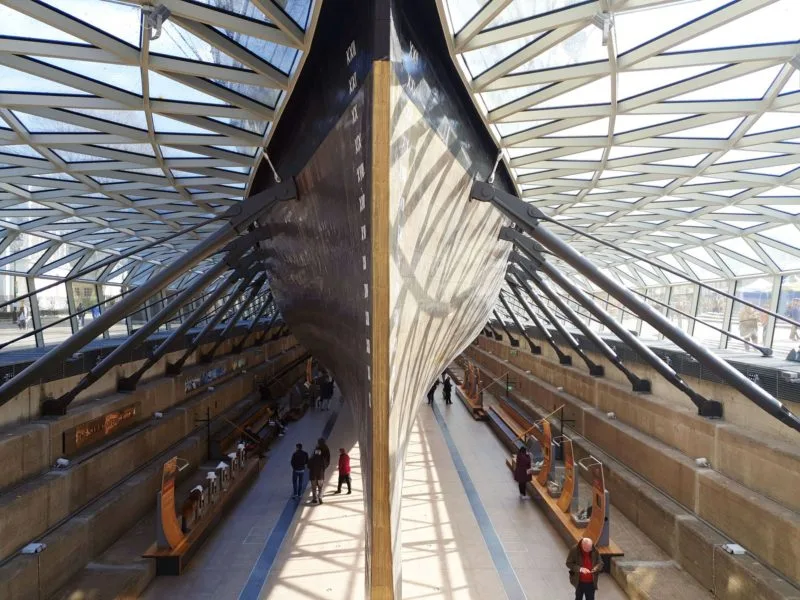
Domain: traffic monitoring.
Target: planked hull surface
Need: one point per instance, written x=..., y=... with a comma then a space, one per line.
x=383, y=268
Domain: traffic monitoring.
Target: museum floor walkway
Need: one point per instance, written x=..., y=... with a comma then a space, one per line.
x=465, y=532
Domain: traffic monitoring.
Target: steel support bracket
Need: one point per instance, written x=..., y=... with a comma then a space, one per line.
x=53, y=407
x=711, y=409
x=240, y=216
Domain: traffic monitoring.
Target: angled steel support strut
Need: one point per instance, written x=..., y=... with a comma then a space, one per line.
x=176, y=367
x=496, y=335
x=128, y=384
x=527, y=217
x=534, y=348
x=237, y=348
x=236, y=220
x=59, y=405
x=638, y=384
x=234, y=320
x=594, y=370
x=514, y=341
x=563, y=359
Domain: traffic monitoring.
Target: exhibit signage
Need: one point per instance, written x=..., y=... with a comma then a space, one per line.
x=98, y=429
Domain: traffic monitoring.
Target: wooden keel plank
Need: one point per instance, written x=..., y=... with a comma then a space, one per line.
x=381, y=578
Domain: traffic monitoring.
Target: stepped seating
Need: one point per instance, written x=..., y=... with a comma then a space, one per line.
x=111, y=481
x=690, y=512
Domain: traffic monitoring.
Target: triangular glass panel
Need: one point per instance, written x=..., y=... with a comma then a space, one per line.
x=594, y=93
x=779, y=191
x=12, y=80
x=627, y=123
x=179, y=42
x=252, y=125
x=283, y=58
x=123, y=77
x=752, y=86
x=773, y=121
x=636, y=83
x=164, y=88
x=628, y=151
x=777, y=170
x=135, y=119
x=773, y=23
x=742, y=155
x=784, y=260
x=266, y=96
x=659, y=183
x=726, y=193
x=790, y=209
x=742, y=224
x=113, y=18
x=786, y=234
x=739, y=268
x=720, y=130
x=164, y=124
x=740, y=246
x=146, y=149
x=591, y=129
x=480, y=60
x=20, y=150
x=583, y=47
x=37, y=124
x=12, y=23
x=245, y=150
x=76, y=157
x=683, y=161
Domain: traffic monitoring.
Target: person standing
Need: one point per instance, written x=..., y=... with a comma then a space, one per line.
x=327, y=392
x=447, y=388
x=522, y=471
x=326, y=452
x=316, y=473
x=584, y=564
x=299, y=464
x=432, y=391
x=344, y=471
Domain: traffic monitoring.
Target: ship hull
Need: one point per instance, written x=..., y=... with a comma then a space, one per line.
x=383, y=268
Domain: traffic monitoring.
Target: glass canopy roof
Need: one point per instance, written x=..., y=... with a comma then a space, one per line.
x=117, y=129
x=669, y=127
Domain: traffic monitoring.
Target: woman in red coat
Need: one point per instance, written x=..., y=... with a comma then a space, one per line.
x=522, y=473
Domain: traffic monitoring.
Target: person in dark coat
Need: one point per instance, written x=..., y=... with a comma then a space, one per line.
x=584, y=564
x=316, y=473
x=326, y=452
x=432, y=391
x=299, y=464
x=522, y=471
x=447, y=389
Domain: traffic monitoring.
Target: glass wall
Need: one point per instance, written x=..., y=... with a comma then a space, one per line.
x=15, y=318
x=786, y=336
x=712, y=309
x=682, y=298
x=54, y=311
x=746, y=321
x=111, y=295
x=662, y=295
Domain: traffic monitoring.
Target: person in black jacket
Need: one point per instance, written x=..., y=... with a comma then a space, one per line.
x=316, y=470
x=432, y=391
x=447, y=389
x=299, y=464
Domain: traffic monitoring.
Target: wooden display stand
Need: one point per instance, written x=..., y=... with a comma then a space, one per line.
x=470, y=393
x=176, y=543
x=513, y=428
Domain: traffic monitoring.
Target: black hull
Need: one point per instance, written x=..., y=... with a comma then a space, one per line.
x=383, y=269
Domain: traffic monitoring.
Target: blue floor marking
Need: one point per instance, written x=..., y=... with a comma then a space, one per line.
x=263, y=566
x=508, y=577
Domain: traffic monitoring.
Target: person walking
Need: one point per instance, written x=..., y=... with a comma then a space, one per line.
x=316, y=473
x=432, y=391
x=447, y=388
x=344, y=471
x=522, y=471
x=584, y=564
x=299, y=464
x=327, y=392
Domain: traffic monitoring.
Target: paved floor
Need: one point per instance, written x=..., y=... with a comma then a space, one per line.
x=465, y=533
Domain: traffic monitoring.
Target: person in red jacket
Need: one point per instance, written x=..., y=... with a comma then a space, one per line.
x=344, y=471
x=584, y=564
x=522, y=471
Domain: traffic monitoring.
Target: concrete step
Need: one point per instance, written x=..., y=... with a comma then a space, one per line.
x=687, y=539
x=655, y=580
